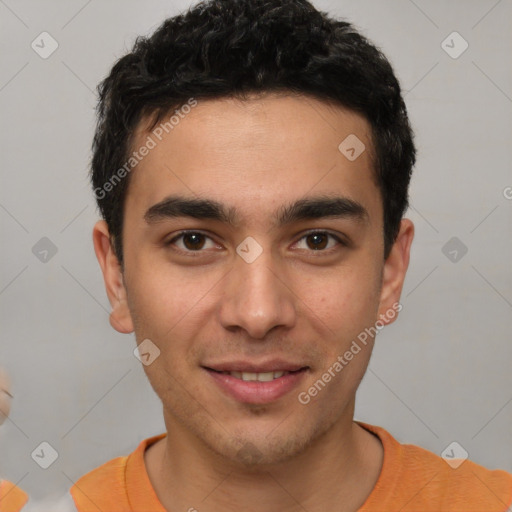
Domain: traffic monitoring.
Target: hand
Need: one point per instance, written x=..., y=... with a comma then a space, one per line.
x=5, y=396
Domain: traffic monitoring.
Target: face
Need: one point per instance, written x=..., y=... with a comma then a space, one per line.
x=281, y=269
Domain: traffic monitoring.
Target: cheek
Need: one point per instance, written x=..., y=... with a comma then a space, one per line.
x=170, y=310
x=345, y=301
x=162, y=301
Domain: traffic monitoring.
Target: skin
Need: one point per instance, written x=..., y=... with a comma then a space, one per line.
x=5, y=396
x=294, y=302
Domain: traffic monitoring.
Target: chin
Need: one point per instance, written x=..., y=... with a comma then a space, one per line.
x=255, y=450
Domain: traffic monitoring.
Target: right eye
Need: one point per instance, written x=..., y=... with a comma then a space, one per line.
x=190, y=242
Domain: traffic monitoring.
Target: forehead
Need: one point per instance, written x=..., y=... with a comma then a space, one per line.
x=267, y=149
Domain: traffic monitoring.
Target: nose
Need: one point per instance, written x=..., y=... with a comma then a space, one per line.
x=257, y=298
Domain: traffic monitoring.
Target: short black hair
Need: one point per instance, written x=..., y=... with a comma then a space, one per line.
x=231, y=48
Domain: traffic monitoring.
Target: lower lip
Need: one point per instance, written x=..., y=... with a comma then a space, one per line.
x=256, y=392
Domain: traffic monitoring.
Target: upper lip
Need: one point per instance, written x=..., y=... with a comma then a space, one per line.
x=273, y=365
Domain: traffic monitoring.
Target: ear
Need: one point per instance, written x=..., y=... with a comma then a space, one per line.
x=394, y=271
x=120, y=318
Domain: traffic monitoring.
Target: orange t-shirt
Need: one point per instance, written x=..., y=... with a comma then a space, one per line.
x=12, y=498
x=412, y=479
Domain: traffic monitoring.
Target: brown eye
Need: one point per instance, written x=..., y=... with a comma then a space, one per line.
x=191, y=241
x=319, y=241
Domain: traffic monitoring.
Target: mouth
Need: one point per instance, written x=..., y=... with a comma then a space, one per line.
x=258, y=376
x=257, y=387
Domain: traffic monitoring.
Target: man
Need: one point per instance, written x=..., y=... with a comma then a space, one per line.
x=251, y=163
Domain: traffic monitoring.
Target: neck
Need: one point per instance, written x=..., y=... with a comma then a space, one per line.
x=341, y=467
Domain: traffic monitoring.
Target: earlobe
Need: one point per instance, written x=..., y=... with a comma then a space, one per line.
x=394, y=272
x=120, y=318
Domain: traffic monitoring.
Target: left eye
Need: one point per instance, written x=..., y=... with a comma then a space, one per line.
x=319, y=240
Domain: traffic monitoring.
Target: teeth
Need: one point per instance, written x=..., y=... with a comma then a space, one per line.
x=262, y=377
x=252, y=376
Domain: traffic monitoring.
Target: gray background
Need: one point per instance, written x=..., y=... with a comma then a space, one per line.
x=441, y=373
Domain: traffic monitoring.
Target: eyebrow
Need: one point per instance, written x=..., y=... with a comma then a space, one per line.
x=318, y=207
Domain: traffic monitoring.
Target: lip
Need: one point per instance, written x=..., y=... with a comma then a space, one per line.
x=272, y=365
x=256, y=392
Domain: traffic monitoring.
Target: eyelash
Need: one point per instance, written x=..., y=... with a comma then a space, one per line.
x=181, y=234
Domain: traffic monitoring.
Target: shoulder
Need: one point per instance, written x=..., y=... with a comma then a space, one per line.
x=102, y=486
x=114, y=484
x=458, y=484
x=418, y=479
